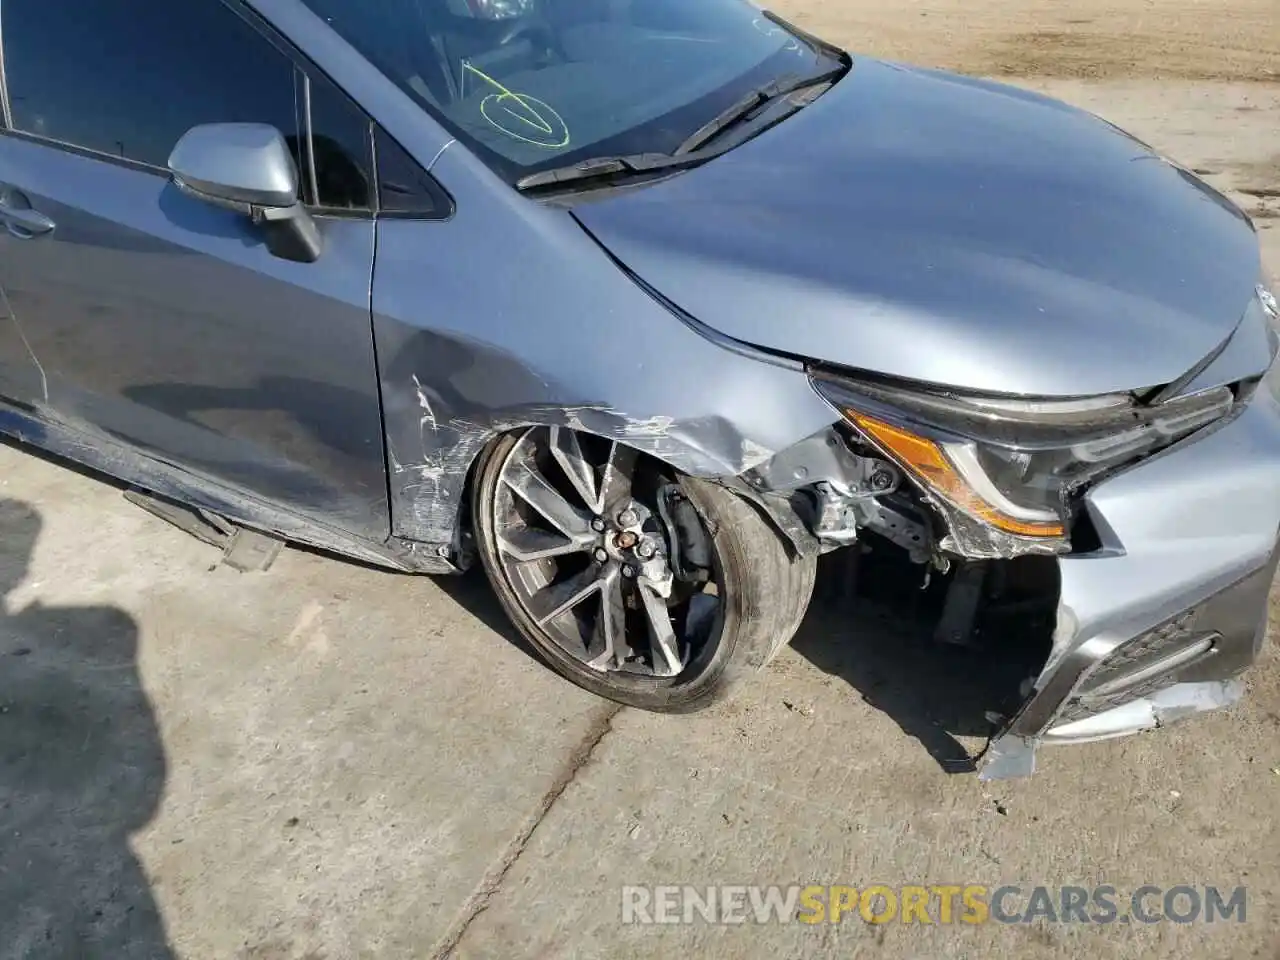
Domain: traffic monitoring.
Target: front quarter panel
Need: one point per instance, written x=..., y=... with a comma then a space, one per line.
x=510, y=314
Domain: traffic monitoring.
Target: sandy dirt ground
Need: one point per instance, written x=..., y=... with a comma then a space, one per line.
x=329, y=762
x=1208, y=40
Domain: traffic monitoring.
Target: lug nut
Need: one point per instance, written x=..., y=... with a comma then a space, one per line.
x=645, y=550
x=628, y=518
x=628, y=571
x=597, y=524
x=601, y=554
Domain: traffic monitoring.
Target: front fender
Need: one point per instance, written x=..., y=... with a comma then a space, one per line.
x=510, y=315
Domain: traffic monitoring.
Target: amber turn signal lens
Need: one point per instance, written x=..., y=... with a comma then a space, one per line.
x=929, y=463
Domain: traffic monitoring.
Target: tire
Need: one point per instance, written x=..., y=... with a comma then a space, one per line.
x=760, y=590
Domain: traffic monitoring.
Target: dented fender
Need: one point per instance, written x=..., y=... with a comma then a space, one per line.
x=428, y=482
x=463, y=357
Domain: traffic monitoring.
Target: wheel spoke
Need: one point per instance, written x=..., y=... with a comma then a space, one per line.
x=665, y=647
x=568, y=453
x=559, y=598
x=609, y=637
x=556, y=532
x=527, y=543
x=533, y=488
x=617, y=475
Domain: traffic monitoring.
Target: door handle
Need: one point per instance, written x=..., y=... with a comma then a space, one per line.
x=20, y=219
x=26, y=224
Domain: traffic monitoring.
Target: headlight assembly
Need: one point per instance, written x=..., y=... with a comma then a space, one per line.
x=1013, y=465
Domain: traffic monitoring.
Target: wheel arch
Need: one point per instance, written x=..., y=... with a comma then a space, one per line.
x=646, y=630
x=430, y=490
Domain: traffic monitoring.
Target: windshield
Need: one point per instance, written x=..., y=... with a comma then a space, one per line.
x=535, y=84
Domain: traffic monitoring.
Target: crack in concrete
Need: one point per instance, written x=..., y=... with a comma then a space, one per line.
x=600, y=725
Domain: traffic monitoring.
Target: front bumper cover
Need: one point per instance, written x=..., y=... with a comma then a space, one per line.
x=1160, y=622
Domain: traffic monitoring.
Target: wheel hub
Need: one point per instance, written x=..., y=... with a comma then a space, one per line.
x=632, y=540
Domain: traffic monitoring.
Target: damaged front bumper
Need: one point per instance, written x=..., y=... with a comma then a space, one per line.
x=1159, y=623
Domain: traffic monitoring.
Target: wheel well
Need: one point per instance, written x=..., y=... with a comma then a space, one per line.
x=464, y=536
x=431, y=498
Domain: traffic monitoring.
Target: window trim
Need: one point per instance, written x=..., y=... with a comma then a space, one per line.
x=302, y=106
x=303, y=67
x=443, y=204
x=6, y=109
x=303, y=101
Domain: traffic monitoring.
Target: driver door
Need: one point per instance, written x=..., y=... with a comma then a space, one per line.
x=20, y=379
x=160, y=319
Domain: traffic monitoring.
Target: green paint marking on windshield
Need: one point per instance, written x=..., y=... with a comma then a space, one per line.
x=521, y=116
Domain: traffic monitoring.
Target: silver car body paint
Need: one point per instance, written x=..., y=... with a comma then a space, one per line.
x=947, y=230
x=910, y=223
x=586, y=348
x=540, y=326
x=243, y=162
x=1196, y=523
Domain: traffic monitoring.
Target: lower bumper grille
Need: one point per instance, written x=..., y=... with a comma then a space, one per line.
x=1216, y=639
x=1141, y=666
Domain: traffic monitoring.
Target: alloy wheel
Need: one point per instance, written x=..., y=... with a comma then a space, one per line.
x=589, y=537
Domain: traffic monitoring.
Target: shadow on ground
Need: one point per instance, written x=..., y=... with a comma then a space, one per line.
x=472, y=592
x=873, y=626
x=81, y=767
x=874, y=630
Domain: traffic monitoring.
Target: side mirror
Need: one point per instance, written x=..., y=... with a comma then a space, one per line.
x=247, y=167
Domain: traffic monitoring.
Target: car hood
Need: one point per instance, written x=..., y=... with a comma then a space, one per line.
x=924, y=225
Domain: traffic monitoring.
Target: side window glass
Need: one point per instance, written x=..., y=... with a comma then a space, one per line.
x=403, y=186
x=129, y=77
x=341, y=139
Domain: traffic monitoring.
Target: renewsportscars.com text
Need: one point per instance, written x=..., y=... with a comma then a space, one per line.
x=931, y=904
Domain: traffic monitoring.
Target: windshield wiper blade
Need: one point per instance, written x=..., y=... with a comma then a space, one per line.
x=722, y=121
x=693, y=150
x=636, y=163
x=814, y=43
x=741, y=110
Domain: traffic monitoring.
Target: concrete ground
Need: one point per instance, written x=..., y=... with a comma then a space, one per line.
x=327, y=761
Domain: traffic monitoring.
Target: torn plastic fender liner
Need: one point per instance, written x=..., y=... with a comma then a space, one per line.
x=781, y=514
